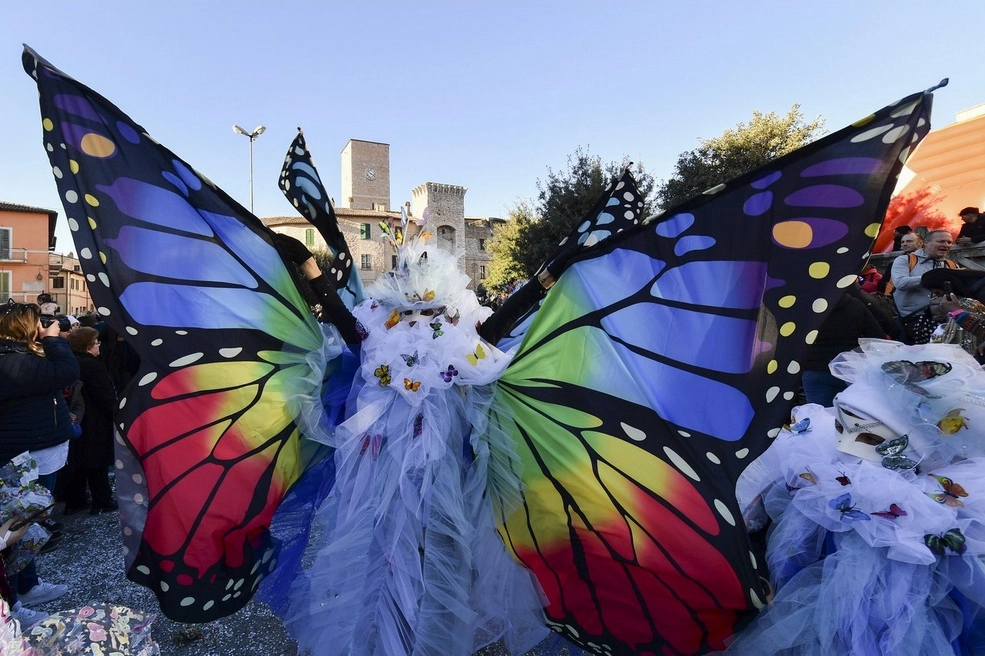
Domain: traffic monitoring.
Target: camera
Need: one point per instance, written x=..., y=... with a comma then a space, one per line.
x=64, y=324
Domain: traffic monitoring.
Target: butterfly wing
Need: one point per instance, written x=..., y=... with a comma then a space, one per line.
x=659, y=366
x=893, y=513
x=955, y=541
x=841, y=503
x=209, y=443
x=301, y=184
x=620, y=207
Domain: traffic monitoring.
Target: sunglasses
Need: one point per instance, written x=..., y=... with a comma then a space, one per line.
x=12, y=306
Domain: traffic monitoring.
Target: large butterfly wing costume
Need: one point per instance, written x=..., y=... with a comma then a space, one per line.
x=211, y=443
x=658, y=366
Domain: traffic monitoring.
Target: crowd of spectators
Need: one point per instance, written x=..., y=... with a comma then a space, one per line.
x=57, y=399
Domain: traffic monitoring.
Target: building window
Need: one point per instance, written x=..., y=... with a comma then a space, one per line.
x=365, y=231
x=309, y=237
x=447, y=233
x=482, y=244
x=366, y=261
x=58, y=282
x=6, y=239
x=75, y=284
x=482, y=272
x=4, y=285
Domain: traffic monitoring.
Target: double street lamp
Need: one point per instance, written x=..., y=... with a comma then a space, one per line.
x=252, y=137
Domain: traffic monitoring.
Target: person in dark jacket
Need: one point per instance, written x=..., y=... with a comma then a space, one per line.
x=33, y=412
x=848, y=321
x=91, y=456
x=35, y=366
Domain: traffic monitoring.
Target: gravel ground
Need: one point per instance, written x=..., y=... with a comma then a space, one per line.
x=89, y=559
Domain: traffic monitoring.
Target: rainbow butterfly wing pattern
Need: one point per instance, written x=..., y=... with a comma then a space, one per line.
x=660, y=365
x=210, y=444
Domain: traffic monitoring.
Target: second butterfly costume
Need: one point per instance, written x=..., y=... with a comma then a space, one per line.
x=878, y=512
x=404, y=558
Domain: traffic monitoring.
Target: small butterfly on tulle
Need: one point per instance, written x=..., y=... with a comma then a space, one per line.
x=373, y=444
x=909, y=374
x=892, y=451
x=418, y=425
x=849, y=513
x=393, y=319
x=950, y=491
x=952, y=422
x=383, y=373
x=412, y=385
x=802, y=426
x=478, y=354
x=417, y=296
x=448, y=374
x=436, y=327
x=951, y=540
x=893, y=513
x=905, y=371
x=809, y=476
x=411, y=360
x=843, y=479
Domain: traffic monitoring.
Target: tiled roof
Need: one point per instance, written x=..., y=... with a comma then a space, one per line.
x=341, y=212
x=15, y=207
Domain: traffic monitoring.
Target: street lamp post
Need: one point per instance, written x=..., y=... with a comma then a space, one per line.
x=252, y=137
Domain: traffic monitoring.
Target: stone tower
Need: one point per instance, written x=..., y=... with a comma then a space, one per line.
x=365, y=175
x=446, y=206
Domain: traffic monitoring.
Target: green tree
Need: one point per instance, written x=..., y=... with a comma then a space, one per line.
x=563, y=198
x=506, y=246
x=736, y=151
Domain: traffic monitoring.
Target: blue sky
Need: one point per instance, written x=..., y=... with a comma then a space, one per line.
x=488, y=95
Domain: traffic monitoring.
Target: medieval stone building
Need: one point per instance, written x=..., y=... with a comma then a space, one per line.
x=365, y=202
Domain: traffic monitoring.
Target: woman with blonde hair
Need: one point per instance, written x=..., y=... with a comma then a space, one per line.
x=35, y=366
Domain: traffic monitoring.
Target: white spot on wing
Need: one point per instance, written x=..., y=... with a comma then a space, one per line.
x=633, y=433
x=681, y=464
x=186, y=360
x=724, y=512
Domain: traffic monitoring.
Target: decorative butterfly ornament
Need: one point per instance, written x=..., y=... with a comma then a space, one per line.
x=894, y=512
x=383, y=373
x=843, y=504
x=950, y=494
x=952, y=540
x=953, y=421
x=800, y=427
x=475, y=356
x=892, y=454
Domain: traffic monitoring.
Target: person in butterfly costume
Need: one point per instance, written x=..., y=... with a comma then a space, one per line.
x=878, y=516
x=406, y=564
x=631, y=436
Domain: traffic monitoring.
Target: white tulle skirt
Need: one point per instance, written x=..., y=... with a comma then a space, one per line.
x=405, y=558
x=850, y=559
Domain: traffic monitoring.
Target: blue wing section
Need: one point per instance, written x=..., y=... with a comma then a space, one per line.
x=303, y=187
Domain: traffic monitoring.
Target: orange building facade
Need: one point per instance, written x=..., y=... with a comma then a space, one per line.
x=27, y=236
